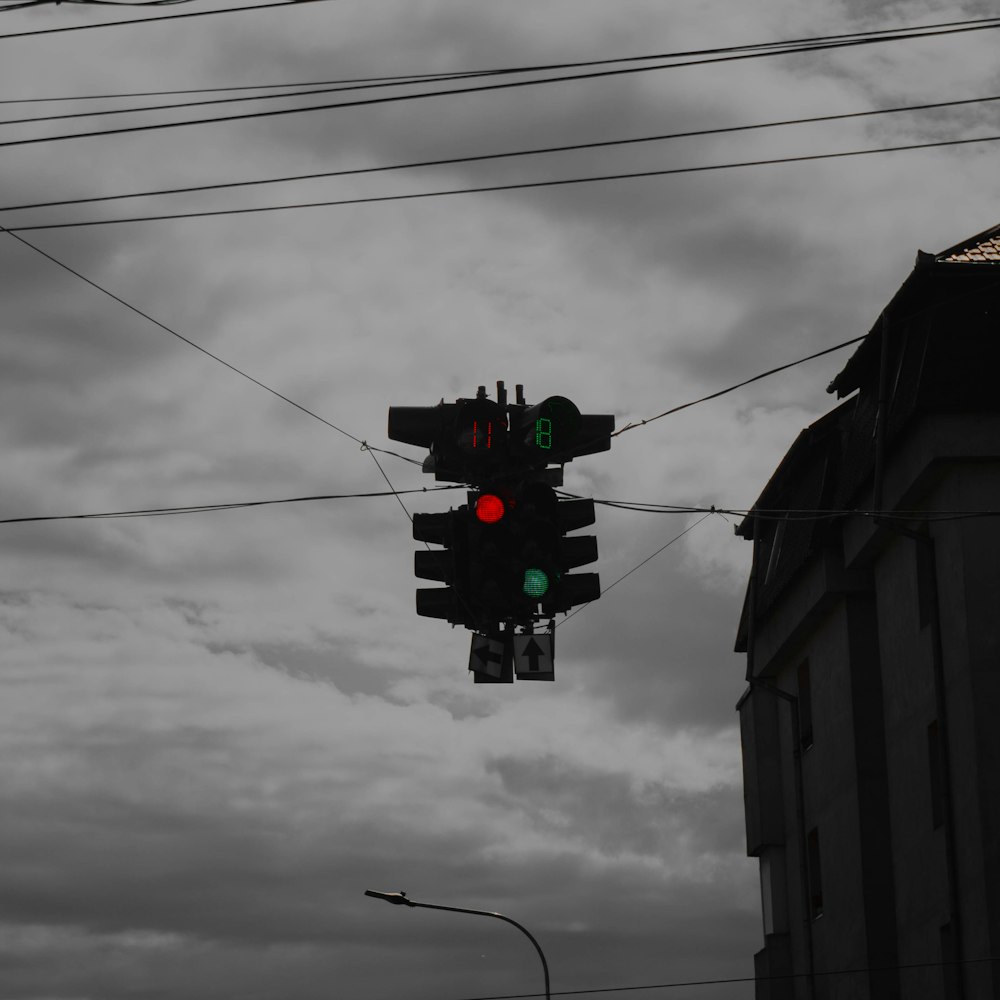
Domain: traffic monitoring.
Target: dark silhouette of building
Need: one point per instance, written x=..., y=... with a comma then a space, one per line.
x=871, y=721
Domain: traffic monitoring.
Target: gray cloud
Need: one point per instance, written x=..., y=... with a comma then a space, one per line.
x=219, y=729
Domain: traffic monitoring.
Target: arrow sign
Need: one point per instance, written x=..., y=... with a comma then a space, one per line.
x=486, y=655
x=533, y=657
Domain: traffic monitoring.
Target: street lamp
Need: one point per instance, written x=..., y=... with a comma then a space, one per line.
x=399, y=898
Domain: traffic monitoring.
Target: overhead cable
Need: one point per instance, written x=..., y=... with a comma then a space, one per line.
x=93, y=3
x=139, y=312
x=344, y=83
x=739, y=385
x=984, y=22
x=859, y=37
x=363, y=83
x=483, y=157
x=506, y=85
x=765, y=513
x=666, y=545
x=740, y=979
x=204, y=508
x=494, y=188
x=158, y=17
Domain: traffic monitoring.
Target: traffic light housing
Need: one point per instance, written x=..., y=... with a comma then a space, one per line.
x=519, y=553
x=555, y=431
x=467, y=439
x=448, y=565
x=478, y=440
x=572, y=551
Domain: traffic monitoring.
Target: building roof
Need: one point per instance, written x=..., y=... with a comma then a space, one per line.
x=981, y=249
x=968, y=262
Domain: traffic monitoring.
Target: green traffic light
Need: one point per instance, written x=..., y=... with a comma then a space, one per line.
x=536, y=582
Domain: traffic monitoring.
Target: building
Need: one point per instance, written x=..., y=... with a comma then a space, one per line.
x=871, y=721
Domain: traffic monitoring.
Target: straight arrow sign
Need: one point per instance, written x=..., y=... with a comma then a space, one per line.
x=533, y=657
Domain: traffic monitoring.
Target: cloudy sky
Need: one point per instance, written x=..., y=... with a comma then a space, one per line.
x=218, y=729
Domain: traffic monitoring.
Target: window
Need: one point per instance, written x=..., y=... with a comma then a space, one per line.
x=805, y=706
x=815, y=874
x=950, y=970
x=773, y=890
x=925, y=582
x=766, y=893
x=936, y=774
x=775, y=554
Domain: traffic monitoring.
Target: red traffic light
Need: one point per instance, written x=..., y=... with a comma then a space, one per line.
x=489, y=508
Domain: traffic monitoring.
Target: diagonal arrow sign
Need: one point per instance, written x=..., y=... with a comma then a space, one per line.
x=486, y=657
x=486, y=654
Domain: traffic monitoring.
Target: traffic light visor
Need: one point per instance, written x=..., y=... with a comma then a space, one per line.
x=419, y=425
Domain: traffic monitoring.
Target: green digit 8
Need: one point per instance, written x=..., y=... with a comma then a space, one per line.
x=543, y=433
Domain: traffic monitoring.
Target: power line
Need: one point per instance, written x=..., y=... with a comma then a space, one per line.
x=159, y=17
x=667, y=545
x=364, y=444
x=537, y=67
x=792, y=513
x=483, y=157
x=366, y=102
x=5, y=6
x=942, y=27
x=781, y=368
x=494, y=188
x=204, y=508
x=771, y=513
x=344, y=82
x=361, y=83
x=740, y=979
x=739, y=385
x=318, y=89
x=93, y=284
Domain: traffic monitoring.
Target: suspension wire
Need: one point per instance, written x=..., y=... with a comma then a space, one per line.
x=146, y=316
x=667, y=545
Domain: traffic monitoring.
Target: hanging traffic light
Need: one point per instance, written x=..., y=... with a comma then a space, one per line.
x=505, y=556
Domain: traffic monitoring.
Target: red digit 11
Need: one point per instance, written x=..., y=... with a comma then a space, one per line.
x=475, y=434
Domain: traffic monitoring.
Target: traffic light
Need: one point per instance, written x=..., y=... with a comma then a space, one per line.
x=467, y=439
x=555, y=431
x=542, y=552
x=478, y=440
x=505, y=557
x=448, y=565
x=519, y=553
x=570, y=589
x=489, y=520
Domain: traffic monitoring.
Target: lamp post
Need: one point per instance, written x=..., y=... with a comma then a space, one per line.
x=400, y=899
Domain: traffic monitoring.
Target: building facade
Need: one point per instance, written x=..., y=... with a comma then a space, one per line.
x=871, y=720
